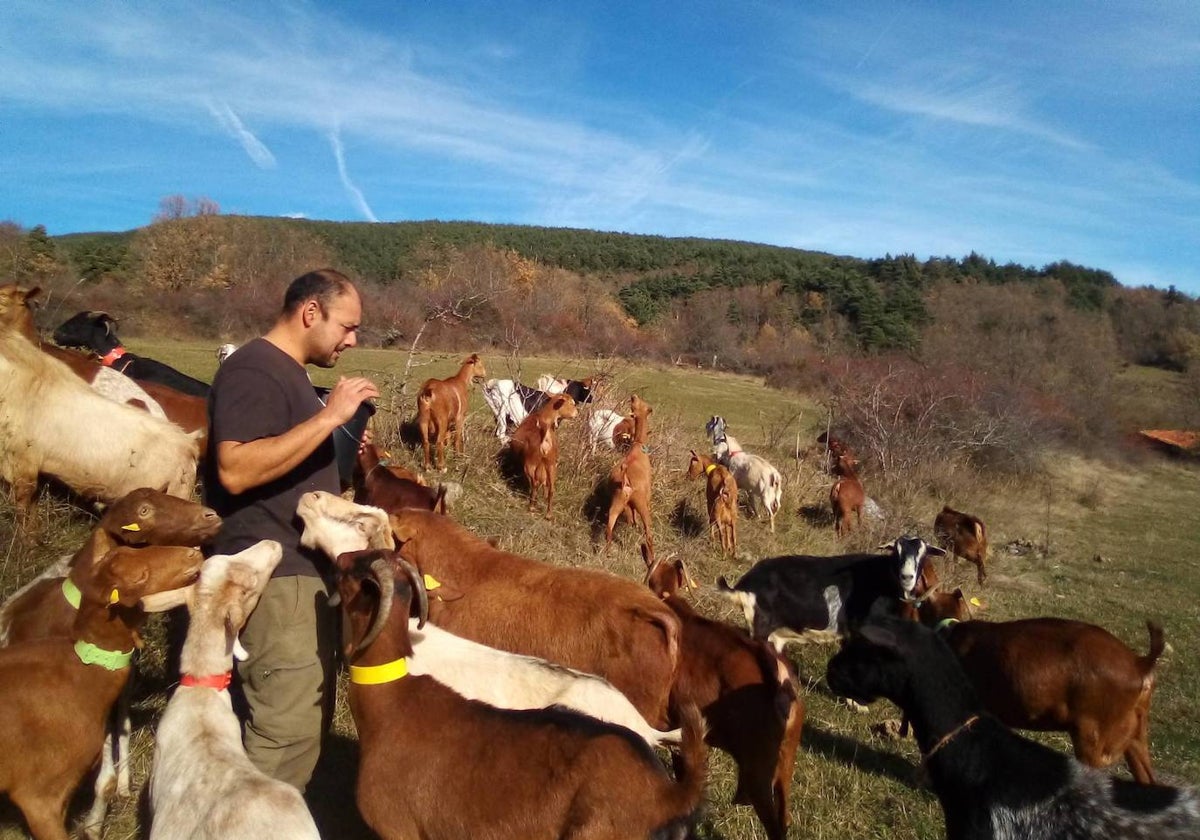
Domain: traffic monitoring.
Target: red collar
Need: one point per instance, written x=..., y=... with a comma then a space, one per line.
x=219, y=682
x=112, y=355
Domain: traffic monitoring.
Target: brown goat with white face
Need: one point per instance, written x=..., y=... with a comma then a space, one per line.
x=442, y=409
x=436, y=766
x=747, y=693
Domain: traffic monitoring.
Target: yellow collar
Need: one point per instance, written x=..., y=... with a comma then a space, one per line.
x=379, y=674
x=708, y=470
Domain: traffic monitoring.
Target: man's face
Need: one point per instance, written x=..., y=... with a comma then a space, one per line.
x=336, y=330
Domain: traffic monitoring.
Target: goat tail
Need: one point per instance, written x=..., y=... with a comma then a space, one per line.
x=688, y=792
x=1157, y=646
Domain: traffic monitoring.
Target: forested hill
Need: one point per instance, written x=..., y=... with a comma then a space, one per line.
x=880, y=298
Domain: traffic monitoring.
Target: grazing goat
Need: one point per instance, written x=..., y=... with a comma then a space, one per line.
x=54, y=424
x=846, y=497
x=57, y=692
x=203, y=787
x=376, y=483
x=442, y=409
x=819, y=599
x=721, y=495
x=437, y=766
x=630, y=480
x=753, y=473
x=619, y=630
x=747, y=694
x=965, y=536
x=992, y=783
x=1065, y=676
x=96, y=331
x=603, y=425
x=579, y=390
x=535, y=444
x=513, y=681
x=511, y=402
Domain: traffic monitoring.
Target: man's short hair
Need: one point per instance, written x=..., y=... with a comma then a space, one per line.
x=322, y=286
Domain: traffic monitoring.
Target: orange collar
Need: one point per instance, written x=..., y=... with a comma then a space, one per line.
x=112, y=355
x=218, y=682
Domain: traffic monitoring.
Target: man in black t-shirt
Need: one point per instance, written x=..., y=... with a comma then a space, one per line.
x=270, y=441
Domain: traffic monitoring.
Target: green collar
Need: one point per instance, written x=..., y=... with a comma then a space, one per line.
x=944, y=623
x=109, y=660
x=71, y=592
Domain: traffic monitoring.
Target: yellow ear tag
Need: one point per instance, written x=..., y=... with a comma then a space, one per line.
x=431, y=582
x=975, y=602
x=132, y=526
x=114, y=597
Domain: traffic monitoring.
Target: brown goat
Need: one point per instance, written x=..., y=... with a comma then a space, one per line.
x=721, y=497
x=845, y=497
x=747, y=693
x=535, y=442
x=442, y=409
x=630, y=479
x=964, y=536
x=617, y=630
x=143, y=517
x=622, y=434
x=57, y=692
x=1052, y=674
x=376, y=483
x=437, y=766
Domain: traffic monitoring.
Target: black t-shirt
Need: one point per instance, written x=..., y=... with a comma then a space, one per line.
x=261, y=392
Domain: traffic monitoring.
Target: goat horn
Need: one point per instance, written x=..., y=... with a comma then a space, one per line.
x=381, y=570
x=418, y=586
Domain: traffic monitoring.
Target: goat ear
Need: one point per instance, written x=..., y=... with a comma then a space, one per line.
x=401, y=530
x=888, y=546
x=881, y=635
x=934, y=551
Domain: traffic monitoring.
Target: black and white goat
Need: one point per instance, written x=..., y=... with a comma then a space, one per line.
x=97, y=331
x=819, y=599
x=992, y=783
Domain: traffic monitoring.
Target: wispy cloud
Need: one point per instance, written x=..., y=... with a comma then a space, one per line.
x=254, y=147
x=360, y=201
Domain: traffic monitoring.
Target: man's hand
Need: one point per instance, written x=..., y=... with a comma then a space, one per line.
x=347, y=395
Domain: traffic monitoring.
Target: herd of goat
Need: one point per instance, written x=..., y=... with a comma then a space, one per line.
x=478, y=714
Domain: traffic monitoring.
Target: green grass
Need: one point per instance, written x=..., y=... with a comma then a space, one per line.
x=1140, y=519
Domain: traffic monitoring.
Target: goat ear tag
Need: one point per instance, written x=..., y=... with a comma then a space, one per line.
x=239, y=652
x=975, y=602
x=132, y=526
x=431, y=582
x=114, y=597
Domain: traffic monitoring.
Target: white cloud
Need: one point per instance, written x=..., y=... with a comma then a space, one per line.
x=360, y=201
x=229, y=121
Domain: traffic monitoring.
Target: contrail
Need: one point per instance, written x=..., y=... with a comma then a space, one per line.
x=335, y=139
x=254, y=147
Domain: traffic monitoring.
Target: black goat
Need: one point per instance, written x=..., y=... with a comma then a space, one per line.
x=992, y=783
x=97, y=331
x=821, y=598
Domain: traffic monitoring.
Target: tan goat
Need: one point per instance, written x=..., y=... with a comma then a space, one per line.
x=630, y=479
x=721, y=495
x=442, y=409
x=535, y=442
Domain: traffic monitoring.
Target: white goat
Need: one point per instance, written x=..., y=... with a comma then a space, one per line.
x=203, y=787
x=54, y=424
x=512, y=681
x=334, y=525
x=118, y=387
x=502, y=398
x=551, y=384
x=753, y=473
x=601, y=424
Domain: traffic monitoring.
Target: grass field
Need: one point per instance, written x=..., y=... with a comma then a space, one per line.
x=1117, y=545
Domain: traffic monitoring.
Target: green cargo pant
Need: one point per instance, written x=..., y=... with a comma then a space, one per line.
x=287, y=681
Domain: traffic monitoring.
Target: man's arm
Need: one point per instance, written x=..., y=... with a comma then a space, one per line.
x=242, y=466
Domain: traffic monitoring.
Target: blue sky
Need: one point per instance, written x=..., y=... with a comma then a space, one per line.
x=1026, y=131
